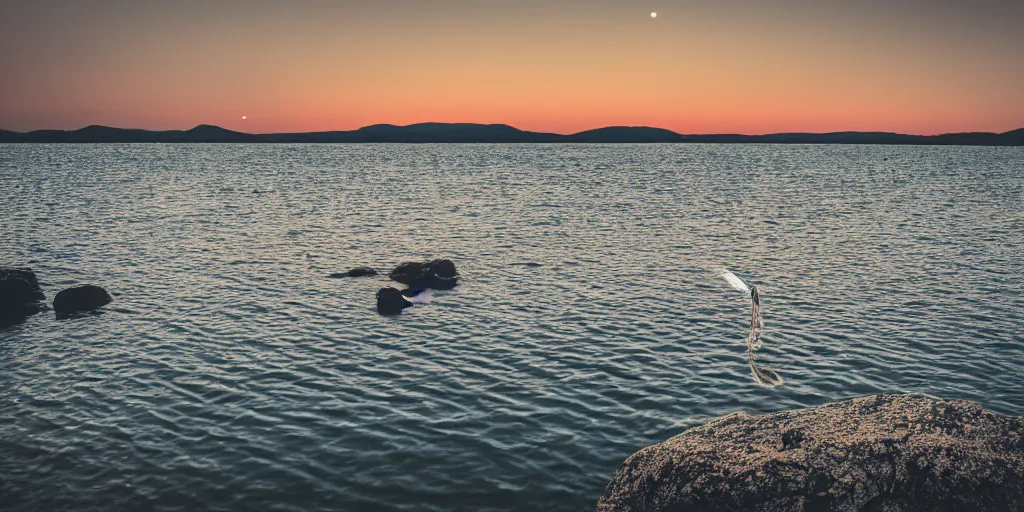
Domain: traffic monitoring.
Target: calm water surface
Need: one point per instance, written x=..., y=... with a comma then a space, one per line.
x=230, y=373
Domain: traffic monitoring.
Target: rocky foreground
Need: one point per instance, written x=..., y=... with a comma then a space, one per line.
x=884, y=453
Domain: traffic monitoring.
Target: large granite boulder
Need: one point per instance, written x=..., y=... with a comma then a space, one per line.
x=84, y=297
x=436, y=274
x=19, y=295
x=884, y=453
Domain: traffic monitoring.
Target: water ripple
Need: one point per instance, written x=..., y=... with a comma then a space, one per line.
x=231, y=374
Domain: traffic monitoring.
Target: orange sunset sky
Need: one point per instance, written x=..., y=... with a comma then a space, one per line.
x=735, y=66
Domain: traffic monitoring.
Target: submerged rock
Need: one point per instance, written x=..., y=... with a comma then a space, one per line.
x=355, y=272
x=436, y=274
x=891, y=453
x=390, y=301
x=362, y=272
x=84, y=297
x=19, y=295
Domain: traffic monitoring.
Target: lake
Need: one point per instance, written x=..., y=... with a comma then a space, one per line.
x=230, y=373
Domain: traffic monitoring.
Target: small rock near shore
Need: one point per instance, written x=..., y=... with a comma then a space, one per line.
x=84, y=297
x=19, y=295
x=355, y=272
x=390, y=301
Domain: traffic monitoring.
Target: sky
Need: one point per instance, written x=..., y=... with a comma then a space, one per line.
x=700, y=66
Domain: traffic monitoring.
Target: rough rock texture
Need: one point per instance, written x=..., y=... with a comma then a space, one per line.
x=436, y=274
x=19, y=295
x=84, y=297
x=884, y=453
x=356, y=272
x=390, y=301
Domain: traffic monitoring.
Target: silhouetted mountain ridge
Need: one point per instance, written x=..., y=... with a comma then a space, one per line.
x=494, y=133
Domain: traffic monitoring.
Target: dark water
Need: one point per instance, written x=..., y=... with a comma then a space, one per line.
x=230, y=373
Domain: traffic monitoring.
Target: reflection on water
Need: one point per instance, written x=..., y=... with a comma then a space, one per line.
x=231, y=373
x=763, y=376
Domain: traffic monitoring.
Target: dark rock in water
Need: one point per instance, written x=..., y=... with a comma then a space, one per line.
x=390, y=301
x=443, y=283
x=19, y=295
x=12, y=314
x=443, y=268
x=412, y=270
x=362, y=272
x=356, y=272
x=84, y=297
x=436, y=274
x=24, y=273
x=885, y=453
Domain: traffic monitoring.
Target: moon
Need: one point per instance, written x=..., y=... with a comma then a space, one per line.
x=654, y=15
x=243, y=117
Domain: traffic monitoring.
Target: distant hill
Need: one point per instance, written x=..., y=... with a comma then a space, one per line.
x=456, y=132
x=622, y=134
x=495, y=133
x=1014, y=138
x=106, y=134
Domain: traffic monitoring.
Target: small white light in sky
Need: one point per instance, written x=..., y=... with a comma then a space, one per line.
x=243, y=117
x=654, y=15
